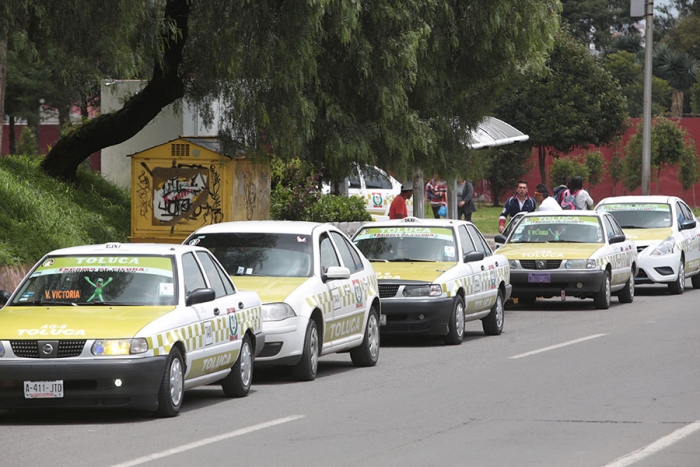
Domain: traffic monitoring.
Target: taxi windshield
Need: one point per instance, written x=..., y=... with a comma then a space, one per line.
x=640, y=215
x=260, y=254
x=96, y=280
x=560, y=229
x=407, y=244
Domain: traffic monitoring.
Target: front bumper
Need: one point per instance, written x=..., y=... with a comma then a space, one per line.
x=87, y=382
x=657, y=269
x=284, y=341
x=574, y=282
x=430, y=316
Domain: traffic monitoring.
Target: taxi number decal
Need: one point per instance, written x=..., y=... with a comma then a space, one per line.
x=335, y=293
x=208, y=334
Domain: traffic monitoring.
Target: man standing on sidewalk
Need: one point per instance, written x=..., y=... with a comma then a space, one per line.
x=520, y=201
x=398, y=209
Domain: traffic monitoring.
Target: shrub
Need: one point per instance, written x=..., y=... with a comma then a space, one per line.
x=332, y=208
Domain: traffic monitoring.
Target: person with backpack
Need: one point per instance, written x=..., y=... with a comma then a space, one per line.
x=520, y=201
x=576, y=197
x=558, y=191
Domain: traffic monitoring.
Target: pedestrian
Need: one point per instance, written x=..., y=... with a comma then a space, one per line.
x=398, y=209
x=519, y=202
x=558, y=191
x=465, y=199
x=583, y=199
x=436, y=191
x=544, y=201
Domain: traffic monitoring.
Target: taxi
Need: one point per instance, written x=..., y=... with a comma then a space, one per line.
x=319, y=293
x=434, y=276
x=667, y=236
x=126, y=326
x=582, y=254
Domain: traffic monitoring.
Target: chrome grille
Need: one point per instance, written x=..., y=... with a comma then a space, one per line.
x=532, y=264
x=388, y=291
x=30, y=349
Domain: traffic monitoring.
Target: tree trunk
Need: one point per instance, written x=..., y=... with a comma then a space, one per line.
x=12, y=138
x=3, y=84
x=542, y=157
x=165, y=87
x=677, y=104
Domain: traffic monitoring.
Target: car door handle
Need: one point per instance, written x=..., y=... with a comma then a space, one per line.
x=483, y=267
x=241, y=305
x=216, y=312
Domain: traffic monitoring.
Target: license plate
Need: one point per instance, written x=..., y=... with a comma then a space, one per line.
x=538, y=277
x=382, y=320
x=43, y=389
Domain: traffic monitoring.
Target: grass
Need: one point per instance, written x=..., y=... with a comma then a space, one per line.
x=39, y=214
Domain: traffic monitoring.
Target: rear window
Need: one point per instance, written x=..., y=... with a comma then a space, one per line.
x=640, y=215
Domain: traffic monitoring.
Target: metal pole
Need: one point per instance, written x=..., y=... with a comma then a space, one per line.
x=646, y=126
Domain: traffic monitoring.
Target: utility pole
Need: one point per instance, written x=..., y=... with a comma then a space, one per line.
x=646, y=125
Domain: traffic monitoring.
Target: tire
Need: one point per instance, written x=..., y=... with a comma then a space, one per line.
x=527, y=300
x=626, y=295
x=678, y=286
x=237, y=383
x=172, y=387
x=601, y=300
x=305, y=369
x=696, y=281
x=367, y=354
x=493, y=322
x=455, y=328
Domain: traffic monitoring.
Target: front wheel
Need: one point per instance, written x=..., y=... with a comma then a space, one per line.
x=626, y=295
x=493, y=322
x=367, y=353
x=601, y=300
x=455, y=329
x=678, y=286
x=305, y=369
x=237, y=383
x=172, y=387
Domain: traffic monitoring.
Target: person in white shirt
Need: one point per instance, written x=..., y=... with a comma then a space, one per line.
x=544, y=201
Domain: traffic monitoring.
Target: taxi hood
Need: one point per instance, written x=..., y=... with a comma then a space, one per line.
x=645, y=237
x=76, y=322
x=270, y=289
x=549, y=250
x=417, y=271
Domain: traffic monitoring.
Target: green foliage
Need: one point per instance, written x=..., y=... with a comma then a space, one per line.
x=616, y=169
x=688, y=171
x=695, y=98
x=28, y=144
x=295, y=193
x=595, y=166
x=332, y=208
x=40, y=214
x=506, y=167
x=567, y=167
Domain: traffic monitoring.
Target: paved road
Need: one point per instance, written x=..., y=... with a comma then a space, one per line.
x=564, y=385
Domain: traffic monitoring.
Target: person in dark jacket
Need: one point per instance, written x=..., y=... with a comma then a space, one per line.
x=465, y=199
x=520, y=201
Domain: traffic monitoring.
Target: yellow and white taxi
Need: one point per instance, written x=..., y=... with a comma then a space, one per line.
x=581, y=254
x=319, y=293
x=126, y=325
x=435, y=275
x=667, y=236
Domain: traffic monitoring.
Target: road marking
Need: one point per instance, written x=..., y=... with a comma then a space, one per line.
x=545, y=349
x=656, y=446
x=204, y=442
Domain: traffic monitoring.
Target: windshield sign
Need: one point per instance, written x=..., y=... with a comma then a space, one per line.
x=565, y=229
x=407, y=244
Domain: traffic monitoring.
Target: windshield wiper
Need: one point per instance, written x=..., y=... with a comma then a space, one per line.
x=41, y=301
x=378, y=260
x=407, y=260
x=630, y=226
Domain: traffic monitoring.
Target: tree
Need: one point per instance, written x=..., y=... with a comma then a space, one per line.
x=679, y=69
x=594, y=21
x=333, y=82
x=506, y=167
x=574, y=103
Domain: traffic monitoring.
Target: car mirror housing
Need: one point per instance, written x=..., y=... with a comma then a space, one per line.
x=336, y=273
x=473, y=256
x=499, y=239
x=687, y=224
x=617, y=239
x=200, y=296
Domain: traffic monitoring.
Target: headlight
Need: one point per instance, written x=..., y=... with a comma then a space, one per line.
x=428, y=290
x=277, y=312
x=2, y=350
x=664, y=248
x=106, y=347
x=580, y=264
x=513, y=264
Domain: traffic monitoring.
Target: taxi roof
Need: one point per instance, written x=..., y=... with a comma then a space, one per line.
x=126, y=248
x=654, y=199
x=290, y=227
x=414, y=221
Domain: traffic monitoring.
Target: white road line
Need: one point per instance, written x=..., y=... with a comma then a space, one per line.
x=545, y=349
x=204, y=442
x=656, y=446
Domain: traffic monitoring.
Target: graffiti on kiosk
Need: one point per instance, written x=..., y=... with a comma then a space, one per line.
x=175, y=196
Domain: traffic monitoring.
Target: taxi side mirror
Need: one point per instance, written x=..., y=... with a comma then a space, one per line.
x=336, y=273
x=4, y=297
x=499, y=239
x=617, y=239
x=200, y=296
x=473, y=256
x=687, y=224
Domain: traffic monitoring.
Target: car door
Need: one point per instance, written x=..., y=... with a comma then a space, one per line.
x=690, y=237
x=338, y=290
x=621, y=264
x=485, y=271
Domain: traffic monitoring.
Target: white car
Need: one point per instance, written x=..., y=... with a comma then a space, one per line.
x=319, y=293
x=666, y=233
x=434, y=276
x=126, y=326
x=376, y=188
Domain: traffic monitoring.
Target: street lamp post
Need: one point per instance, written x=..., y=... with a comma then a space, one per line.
x=646, y=130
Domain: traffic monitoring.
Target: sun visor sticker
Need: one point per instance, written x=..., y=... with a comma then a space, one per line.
x=449, y=251
x=165, y=289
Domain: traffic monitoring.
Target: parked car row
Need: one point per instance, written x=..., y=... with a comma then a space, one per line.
x=136, y=325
